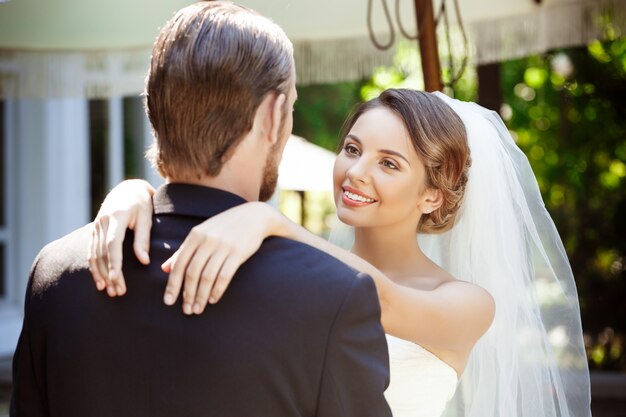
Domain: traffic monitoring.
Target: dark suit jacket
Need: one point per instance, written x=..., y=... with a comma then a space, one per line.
x=296, y=334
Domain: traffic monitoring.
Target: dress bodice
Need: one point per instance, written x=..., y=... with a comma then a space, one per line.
x=421, y=384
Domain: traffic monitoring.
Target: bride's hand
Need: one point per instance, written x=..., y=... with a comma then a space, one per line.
x=212, y=253
x=127, y=206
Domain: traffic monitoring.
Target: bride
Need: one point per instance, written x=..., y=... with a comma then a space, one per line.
x=484, y=296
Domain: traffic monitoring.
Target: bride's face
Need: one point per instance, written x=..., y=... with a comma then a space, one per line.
x=378, y=178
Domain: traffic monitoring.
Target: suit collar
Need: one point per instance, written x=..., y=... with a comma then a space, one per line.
x=193, y=200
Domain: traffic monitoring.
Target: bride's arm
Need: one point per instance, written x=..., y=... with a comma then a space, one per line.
x=452, y=316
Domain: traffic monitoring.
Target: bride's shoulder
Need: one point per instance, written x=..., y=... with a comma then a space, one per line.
x=440, y=279
x=450, y=287
x=470, y=299
x=466, y=297
x=469, y=291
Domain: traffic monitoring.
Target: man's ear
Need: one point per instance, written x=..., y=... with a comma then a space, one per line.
x=431, y=201
x=277, y=116
x=268, y=116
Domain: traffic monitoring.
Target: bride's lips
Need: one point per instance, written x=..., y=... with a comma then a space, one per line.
x=354, y=198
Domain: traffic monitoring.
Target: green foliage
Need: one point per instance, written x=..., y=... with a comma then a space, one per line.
x=568, y=111
x=321, y=109
x=406, y=72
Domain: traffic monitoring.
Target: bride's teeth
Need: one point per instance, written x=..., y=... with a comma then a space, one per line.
x=356, y=197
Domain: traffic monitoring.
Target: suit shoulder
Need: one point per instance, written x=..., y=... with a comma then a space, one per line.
x=296, y=259
x=294, y=254
x=66, y=254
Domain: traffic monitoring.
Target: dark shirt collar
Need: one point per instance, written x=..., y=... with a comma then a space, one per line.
x=193, y=200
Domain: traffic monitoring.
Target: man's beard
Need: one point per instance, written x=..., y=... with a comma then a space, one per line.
x=270, y=173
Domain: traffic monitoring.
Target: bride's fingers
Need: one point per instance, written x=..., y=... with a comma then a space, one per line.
x=115, y=234
x=167, y=265
x=101, y=255
x=141, y=244
x=178, y=271
x=225, y=276
x=176, y=278
x=207, y=279
x=101, y=265
x=173, y=282
x=93, y=261
x=193, y=271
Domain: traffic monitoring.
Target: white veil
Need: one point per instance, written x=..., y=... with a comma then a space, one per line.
x=531, y=362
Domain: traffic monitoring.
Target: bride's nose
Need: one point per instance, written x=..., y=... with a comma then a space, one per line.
x=359, y=172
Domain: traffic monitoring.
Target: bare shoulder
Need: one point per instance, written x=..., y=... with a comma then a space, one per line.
x=470, y=299
x=468, y=289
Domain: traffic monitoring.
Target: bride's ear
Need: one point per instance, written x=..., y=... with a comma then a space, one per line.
x=431, y=200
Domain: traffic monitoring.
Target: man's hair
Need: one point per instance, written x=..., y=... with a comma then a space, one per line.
x=212, y=65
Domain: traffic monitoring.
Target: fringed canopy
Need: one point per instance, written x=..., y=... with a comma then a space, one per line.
x=324, y=58
x=562, y=25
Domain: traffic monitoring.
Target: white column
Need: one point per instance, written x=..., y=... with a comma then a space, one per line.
x=53, y=191
x=30, y=193
x=115, y=142
x=67, y=172
x=10, y=309
x=8, y=177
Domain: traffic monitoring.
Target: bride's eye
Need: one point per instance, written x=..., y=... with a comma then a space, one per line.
x=389, y=164
x=351, y=149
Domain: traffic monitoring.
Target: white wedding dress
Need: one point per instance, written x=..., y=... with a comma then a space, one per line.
x=420, y=384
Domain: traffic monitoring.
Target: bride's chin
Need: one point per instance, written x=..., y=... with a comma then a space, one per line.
x=348, y=218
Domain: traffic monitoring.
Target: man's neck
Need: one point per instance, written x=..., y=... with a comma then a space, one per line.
x=241, y=174
x=233, y=184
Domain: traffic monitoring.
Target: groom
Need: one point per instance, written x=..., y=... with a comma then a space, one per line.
x=298, y=333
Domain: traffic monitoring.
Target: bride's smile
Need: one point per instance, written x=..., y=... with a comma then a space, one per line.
x=355, y=198
x=379, y=178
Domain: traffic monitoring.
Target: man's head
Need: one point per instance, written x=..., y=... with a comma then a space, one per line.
x=214, y=65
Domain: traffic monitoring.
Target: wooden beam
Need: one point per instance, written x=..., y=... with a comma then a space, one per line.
x=489, y=91
x=429, y=52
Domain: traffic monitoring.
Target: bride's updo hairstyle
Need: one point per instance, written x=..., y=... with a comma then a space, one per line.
x=439, y=138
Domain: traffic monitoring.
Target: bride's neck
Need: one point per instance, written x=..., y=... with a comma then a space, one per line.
x=394, y=251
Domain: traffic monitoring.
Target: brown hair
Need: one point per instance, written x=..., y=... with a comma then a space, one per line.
x=212, y=65
x=439, y=138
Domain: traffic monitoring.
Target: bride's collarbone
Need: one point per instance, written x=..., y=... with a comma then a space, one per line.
x=420, y=276
x=422, y=282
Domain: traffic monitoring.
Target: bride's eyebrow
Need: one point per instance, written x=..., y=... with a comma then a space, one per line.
x=385, y=151
x=398, y=154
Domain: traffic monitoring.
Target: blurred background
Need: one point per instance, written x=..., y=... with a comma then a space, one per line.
x=72, y=123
